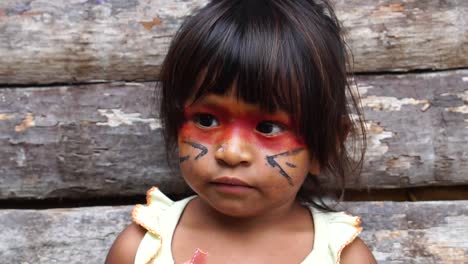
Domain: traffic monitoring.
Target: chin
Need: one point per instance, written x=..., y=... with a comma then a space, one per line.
x=236, y=206
x=235, y=209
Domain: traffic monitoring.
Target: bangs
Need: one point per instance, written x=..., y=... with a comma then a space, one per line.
x=248, y=54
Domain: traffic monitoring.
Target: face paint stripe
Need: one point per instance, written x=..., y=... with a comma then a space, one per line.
x=271, y=160
x=203, y=149
x=291, y=165
x=184, y=158
x=241, y=119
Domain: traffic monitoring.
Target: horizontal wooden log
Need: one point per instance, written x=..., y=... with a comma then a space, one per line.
x=422, y=232
x=84, y=141
x=405, y=35
x=103, y=140
x=417, y=130
x=44, y=41
x=60, y=235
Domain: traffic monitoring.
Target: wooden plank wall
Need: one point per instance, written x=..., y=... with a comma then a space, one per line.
x=78, y=121
x=422, y=232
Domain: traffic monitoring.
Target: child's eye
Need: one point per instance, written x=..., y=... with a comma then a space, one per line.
x=205, y=120
x=269, y=128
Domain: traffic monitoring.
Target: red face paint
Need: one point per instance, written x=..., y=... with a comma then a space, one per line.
x=238, y=119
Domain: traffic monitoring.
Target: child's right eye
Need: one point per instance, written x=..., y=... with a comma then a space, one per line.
x=205, y=120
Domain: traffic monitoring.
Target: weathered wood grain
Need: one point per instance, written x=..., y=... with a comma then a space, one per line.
x=44, y=41
x=406, y=34
x=85, y=141
x=80, y=235
x=409, y=233
x=103, y=140
x=417, y=128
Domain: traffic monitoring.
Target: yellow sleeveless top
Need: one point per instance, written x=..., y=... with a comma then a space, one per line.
x=333, y=230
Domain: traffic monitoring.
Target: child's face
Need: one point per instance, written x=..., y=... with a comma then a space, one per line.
x=241, y=160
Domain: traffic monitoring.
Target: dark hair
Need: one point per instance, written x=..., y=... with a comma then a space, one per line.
x=281, y=54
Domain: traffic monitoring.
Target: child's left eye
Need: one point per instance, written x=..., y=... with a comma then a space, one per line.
x=269, y=128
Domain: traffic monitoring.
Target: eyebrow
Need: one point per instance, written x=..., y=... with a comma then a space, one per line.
x=202, y=103
x=219, y=105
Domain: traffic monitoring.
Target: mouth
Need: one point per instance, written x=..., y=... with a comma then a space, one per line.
x=232, y=186
x=230, y=181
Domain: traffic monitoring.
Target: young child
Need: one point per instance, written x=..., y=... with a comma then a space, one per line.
x=254, y=99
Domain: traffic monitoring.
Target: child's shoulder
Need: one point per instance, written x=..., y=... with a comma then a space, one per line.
x=141, y=240
x=357, y=252
x=126, y=245
x=340, y=226
x=158, y=218
x=336, y=235
x=158, y=212
x=148, y=215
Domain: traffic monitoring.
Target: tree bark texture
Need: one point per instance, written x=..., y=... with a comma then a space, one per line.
x=103, y=140
x=44, y=41
x=408, y=232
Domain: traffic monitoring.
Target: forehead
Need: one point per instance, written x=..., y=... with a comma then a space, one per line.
x=232, y=105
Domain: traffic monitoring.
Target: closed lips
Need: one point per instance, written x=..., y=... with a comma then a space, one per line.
x=231, y=181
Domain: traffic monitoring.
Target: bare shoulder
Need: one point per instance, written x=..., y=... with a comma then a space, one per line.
x=125, y=246
x=357, y=253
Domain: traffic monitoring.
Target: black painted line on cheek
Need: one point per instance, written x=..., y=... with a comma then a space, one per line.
x=203, y=149
x=184, y=158
x=291, y=165
x=271, y=160
x=273, y=163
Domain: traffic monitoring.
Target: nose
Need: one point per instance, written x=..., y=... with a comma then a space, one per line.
x=234, y=152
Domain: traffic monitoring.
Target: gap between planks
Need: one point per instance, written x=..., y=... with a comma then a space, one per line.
x=435, y=193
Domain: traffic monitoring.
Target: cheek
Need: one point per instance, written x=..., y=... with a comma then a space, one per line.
x=301, y=166
x=193, y=171
x=191, y=132
x=280, y=143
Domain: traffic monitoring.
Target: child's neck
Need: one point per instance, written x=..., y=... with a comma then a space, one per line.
x=203, y=215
